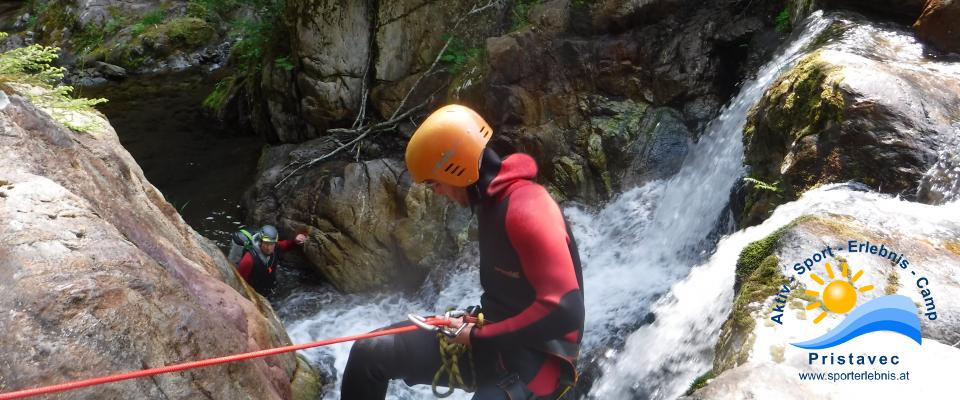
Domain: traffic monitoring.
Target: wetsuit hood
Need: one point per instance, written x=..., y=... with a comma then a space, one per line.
x=498, y=175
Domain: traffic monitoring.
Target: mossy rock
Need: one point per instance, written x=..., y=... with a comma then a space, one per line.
x=306, y=383
x=181, y=33
x=700, y=382
x=758, y=277
x=806, y=102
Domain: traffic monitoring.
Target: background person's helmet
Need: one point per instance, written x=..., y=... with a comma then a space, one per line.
x=269, y=234
x=447, y=146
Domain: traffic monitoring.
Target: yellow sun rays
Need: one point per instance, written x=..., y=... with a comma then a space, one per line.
x=839, y=296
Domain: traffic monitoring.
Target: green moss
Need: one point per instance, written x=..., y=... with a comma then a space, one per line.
x=758, y=277
x=217, y=99
x=520, y=13
x=802, y=102
x=782, y=22
x=189, y=32
x=700, y=382
x=57, y=15
x=306, y=383
x=807, y=100
x=755, y=253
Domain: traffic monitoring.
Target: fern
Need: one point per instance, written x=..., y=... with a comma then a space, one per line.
x=28, y=71
x=763, y=185
x=783, y=21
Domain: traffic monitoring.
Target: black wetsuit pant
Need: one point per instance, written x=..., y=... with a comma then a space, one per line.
x=415, y=358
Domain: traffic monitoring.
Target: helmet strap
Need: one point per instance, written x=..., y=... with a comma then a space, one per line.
x=489, y=168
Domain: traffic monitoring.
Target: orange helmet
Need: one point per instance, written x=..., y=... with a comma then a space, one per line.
x=447, y=146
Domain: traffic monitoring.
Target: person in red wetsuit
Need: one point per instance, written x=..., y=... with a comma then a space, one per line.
x=529, y=270
x=258, y=264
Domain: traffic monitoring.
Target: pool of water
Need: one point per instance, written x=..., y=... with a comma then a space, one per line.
x=199, y=164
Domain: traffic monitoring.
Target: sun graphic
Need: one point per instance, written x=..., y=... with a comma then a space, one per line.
x=839, y=296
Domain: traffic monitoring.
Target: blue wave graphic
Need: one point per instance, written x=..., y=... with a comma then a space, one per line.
x=893, y=313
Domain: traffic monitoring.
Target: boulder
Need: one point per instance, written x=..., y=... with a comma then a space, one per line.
x=939, y=25
x=342, y=207
x=849, y=111
x=99, y=274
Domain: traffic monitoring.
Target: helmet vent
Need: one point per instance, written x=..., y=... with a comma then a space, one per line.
x=448, y=167
x=461, y=171
x=455, y=169
x=484, y=132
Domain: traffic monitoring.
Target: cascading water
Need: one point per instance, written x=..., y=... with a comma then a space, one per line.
x=660, y=359
x=634, y=250
x=941, y=184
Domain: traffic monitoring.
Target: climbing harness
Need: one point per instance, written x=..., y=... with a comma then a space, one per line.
x=450, y=352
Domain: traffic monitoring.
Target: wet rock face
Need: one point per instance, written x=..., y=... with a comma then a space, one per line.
x=847, y=112
x=100, y=274
x=583, y=90
x=347, y=52
x=331, y=41
x=343, y=206
x=939, y=25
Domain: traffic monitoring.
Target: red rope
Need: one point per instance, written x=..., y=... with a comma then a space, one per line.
x=205, y=363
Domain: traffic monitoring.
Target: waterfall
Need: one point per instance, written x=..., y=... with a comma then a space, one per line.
x=661, y=359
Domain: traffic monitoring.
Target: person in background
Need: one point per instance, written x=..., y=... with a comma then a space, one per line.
x=260, y=254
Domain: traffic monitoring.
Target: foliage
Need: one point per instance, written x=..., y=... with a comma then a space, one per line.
x=284, y=63
x=153, y=17
x=457, y=54
x=29, y=71
x=256, y=34
x=521, y=9
x=700, y=382
x=761, y=185
x=783, y=21
x=754, y=253
x=221, y=93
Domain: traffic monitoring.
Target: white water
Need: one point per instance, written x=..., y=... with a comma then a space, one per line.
x=635, y=251
x=661, y=359
x=941, y=184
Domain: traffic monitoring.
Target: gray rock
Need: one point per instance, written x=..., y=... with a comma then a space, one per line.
x=343, y=208
x=110, y=70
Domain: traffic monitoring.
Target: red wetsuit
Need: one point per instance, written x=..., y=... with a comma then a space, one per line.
x=530, y=273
